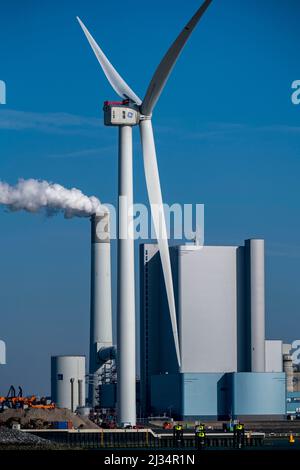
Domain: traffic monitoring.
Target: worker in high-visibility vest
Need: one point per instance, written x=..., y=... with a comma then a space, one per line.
x=200, y=427
x=200, y=438
x=178, y=435
x=239, y=434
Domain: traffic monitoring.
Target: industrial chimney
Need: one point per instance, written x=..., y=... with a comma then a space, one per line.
x=101, y=349
x=256, y=273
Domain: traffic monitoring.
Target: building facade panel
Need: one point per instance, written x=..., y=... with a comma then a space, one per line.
x=258, y=394
x=207, y=289
x=273, y=352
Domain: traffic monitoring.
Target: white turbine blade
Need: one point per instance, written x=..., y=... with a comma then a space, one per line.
x=116, y=81
x=166, y=65
x=155, y=199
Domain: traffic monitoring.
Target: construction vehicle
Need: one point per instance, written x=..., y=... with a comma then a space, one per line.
x=167, y=425
x=11, y=400
x=51, y=406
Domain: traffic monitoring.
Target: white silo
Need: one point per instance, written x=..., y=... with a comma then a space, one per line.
x=68, y=381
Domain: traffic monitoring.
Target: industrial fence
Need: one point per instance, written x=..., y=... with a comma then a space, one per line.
x=137, y=439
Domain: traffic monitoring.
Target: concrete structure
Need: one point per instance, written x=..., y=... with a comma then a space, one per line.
x=209, y=310
x=289, y=372
x=101, y=315
x=68, y=381
x=215, y=306
x=292, y=376
x=274, y=359
x=187, y=395
x=260, y=395
x=255, y=275
x=216, y=395
x=286, y=348
x=219, y=293
x=210, y=305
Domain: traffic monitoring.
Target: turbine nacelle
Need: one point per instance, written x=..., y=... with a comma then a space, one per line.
x=121, y=113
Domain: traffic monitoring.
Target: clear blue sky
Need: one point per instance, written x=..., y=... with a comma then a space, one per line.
x=227, y=134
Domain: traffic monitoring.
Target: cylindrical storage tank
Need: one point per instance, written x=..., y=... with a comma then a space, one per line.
x=101, y=315
x=68, y=381
x=289, y=372
x=256, y=298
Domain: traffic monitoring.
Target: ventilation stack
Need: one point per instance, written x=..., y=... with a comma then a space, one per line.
x=289, y=372
x=256, y=271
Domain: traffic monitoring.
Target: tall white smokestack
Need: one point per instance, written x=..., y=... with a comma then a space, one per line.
x=101, y=312
x=256, y=271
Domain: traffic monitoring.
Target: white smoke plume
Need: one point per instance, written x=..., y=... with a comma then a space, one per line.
x=35, y=196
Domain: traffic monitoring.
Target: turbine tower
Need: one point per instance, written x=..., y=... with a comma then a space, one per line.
x=126, y=114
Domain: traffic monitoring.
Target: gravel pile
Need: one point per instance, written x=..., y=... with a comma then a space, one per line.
x=31, y=415
x=19, y=438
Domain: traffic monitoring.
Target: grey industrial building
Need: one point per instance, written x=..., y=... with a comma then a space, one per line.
x=228, y=368
x=220, y=302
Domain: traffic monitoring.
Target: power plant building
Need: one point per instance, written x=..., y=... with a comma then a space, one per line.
x=219, y=294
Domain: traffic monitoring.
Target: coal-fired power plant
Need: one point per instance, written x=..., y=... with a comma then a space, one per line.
x=203, y=351
x=101, y=346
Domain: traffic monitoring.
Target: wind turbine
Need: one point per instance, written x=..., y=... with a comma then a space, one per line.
x=126, y=114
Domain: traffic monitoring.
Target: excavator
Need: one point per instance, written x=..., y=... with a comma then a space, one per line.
x=11, y=400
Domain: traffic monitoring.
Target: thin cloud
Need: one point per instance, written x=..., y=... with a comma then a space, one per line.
x=222, y=130
x=281, y=128
x=56, y=123
x=95, y=152
x=66, y=123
